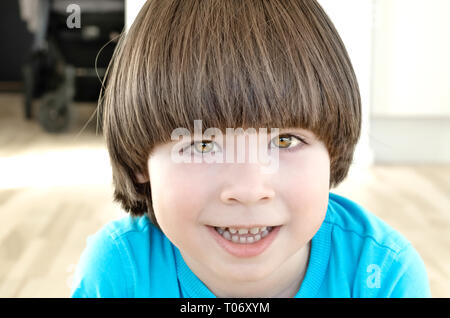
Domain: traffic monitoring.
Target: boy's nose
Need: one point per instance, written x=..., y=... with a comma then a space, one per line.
x=246, y=184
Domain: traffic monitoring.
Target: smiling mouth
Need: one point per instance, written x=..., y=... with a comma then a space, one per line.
x=244, y=235
x=245, y=242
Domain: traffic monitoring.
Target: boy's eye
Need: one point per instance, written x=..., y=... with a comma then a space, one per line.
x=286, y=141
x=202, y=147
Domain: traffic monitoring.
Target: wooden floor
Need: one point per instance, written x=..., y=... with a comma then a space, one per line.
x=55, y=190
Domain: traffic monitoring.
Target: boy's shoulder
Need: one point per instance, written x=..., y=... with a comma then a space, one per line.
x=380, y=260
x=133, y=233
x=117, y=257
x=348, y=217
x=126, y=225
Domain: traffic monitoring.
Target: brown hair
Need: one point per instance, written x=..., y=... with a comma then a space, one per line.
x=260, y=63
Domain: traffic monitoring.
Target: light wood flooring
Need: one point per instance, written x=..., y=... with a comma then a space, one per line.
x=55, y=190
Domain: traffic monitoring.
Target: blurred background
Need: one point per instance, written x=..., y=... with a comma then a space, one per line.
x=55, y=175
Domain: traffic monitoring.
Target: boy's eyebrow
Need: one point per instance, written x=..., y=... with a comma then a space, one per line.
x=303, y=131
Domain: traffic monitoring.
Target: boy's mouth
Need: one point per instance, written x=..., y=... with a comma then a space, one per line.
x=245, y=241
x=244, y=235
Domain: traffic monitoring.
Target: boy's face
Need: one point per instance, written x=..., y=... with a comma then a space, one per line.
x=190, y=199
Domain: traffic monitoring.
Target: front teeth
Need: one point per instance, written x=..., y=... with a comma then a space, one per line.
x=243, y=231
x=253, y=230
x=250, y=236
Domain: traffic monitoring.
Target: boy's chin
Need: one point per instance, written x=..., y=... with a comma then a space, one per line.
x=244, y=271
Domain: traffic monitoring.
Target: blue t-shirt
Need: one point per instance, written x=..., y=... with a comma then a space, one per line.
x=354, y=254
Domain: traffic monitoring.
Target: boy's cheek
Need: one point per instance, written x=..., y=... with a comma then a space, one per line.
x=178, y=199
x=176, y=215
x=305, y=191
x=307, y=215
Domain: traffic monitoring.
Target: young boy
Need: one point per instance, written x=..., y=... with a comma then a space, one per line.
x=202, y=228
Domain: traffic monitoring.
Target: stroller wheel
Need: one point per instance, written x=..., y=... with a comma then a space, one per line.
x=55, y=112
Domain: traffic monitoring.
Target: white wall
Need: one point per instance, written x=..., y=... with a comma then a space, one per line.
x=411, y=82
x=412, y=64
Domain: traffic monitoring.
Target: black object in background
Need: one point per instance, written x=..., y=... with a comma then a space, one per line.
x=15, y=45
x=67, y=63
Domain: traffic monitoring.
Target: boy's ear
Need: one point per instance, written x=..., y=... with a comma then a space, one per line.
x=140, y=178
